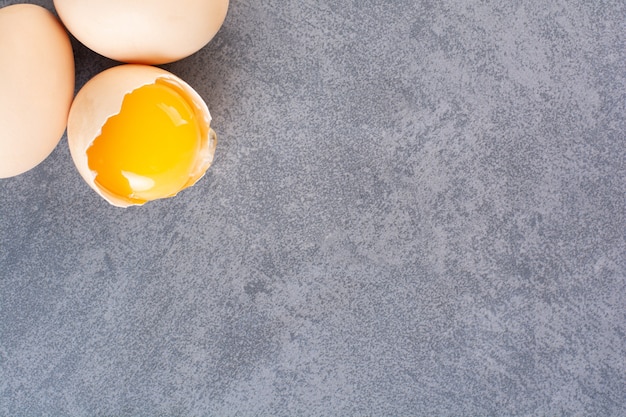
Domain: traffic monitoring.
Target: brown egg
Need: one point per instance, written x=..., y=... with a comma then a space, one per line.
x=143, y=31
x=36, y=85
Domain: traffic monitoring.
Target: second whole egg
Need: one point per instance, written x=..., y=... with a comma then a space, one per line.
x=143, y=31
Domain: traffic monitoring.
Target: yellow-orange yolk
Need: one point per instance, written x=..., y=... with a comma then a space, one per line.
x=148, y=150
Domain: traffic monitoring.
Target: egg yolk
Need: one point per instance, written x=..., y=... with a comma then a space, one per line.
x=148, y=150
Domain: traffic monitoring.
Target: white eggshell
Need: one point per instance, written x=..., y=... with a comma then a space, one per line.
x=101, y=98
x=36, y=86
x=143, y=31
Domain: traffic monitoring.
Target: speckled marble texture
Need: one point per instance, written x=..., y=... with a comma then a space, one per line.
x=416, y=209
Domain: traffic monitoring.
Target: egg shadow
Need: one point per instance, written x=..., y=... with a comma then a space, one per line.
x=88, y=63
x=212, y=74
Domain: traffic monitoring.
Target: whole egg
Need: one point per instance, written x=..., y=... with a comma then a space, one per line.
x=36, y=86
x=143, y=31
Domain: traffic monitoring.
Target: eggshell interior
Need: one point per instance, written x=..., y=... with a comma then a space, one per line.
x=102, y=97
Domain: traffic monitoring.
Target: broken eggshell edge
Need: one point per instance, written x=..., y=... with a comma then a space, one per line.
x=102, y=97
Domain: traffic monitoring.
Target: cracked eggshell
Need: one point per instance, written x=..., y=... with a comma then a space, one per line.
x=101, y=98
x=143, y=31
x=36, y=86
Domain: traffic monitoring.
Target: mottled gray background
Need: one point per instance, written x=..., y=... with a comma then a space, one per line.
x=417, y=208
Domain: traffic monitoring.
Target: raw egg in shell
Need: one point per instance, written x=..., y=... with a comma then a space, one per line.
x=138, y=133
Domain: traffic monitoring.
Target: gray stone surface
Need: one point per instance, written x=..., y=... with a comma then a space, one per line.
x=416, y=208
